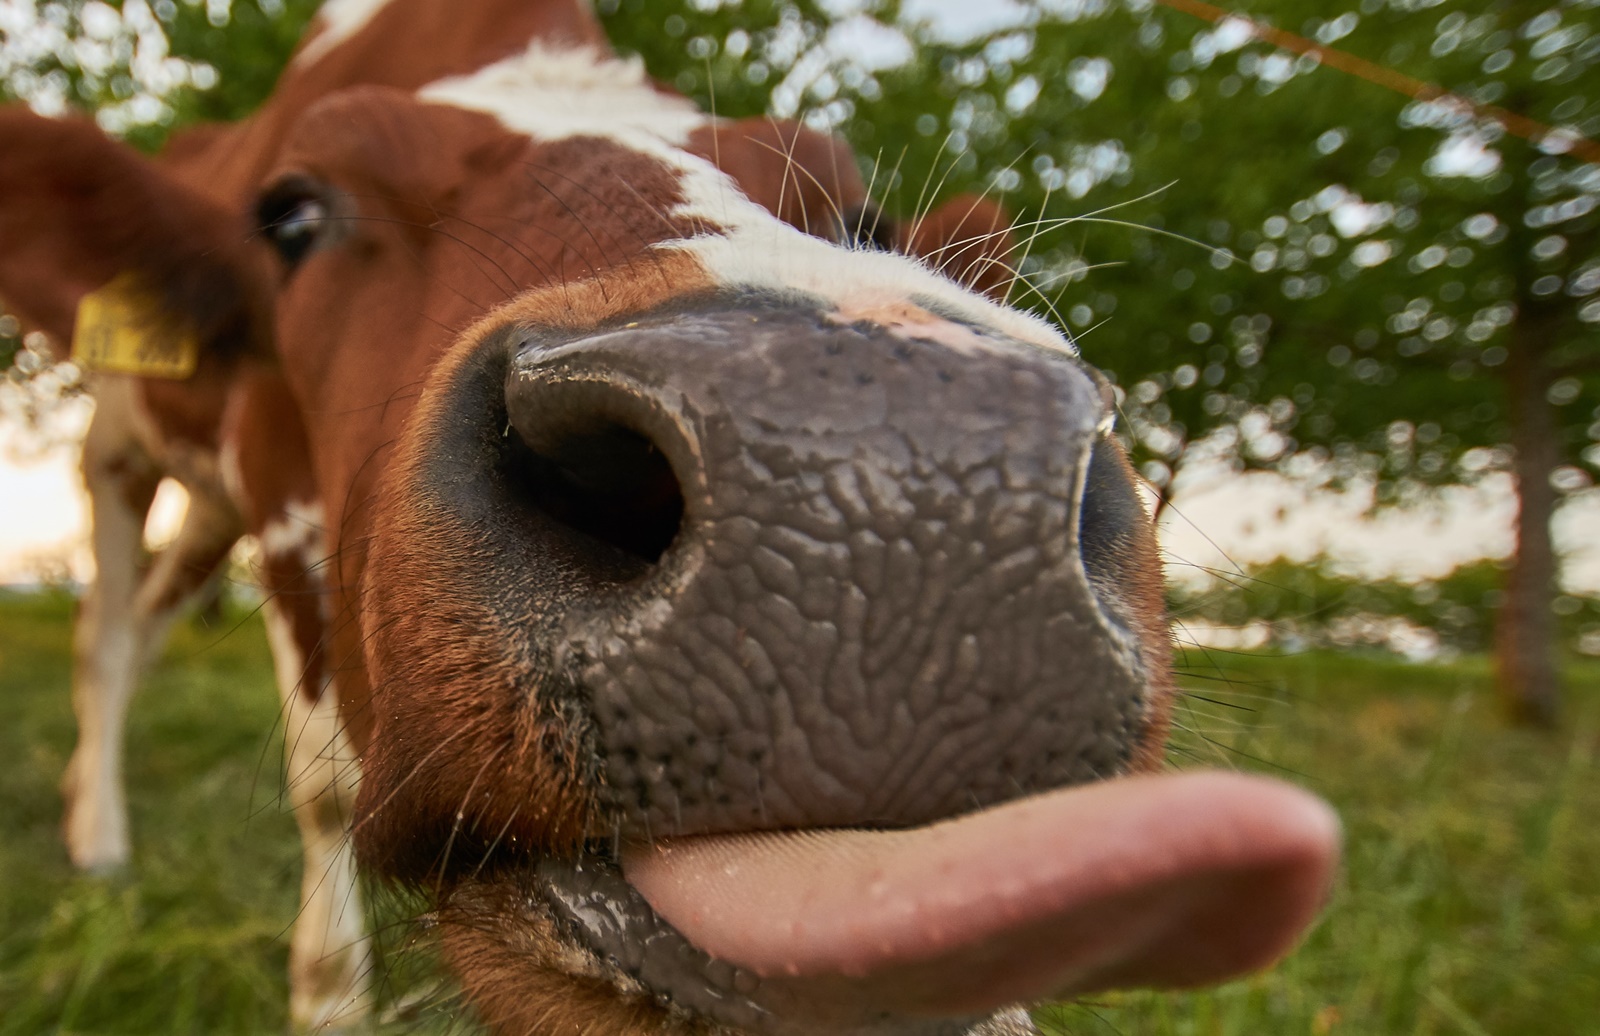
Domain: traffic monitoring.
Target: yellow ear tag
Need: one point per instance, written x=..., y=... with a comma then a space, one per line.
x=116, y=332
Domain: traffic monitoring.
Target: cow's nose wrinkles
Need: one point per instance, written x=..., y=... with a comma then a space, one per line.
x=884, y=573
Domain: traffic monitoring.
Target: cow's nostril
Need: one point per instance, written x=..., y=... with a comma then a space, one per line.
x=1111, y=528
x=604, y=480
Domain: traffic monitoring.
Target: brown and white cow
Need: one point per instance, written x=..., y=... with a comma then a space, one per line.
x=736, y=628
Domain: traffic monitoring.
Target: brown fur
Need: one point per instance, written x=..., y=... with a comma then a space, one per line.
x=805, y=178
x=968, y=239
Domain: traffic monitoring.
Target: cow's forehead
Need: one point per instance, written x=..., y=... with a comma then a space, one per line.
x=549, y=93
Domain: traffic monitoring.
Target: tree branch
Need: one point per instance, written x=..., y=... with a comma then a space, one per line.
x=1531, y=130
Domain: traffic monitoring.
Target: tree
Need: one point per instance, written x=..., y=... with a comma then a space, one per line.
x=146, y=68
x=1336, y=279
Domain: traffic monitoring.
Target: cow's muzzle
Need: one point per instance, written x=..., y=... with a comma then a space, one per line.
x=881, y=579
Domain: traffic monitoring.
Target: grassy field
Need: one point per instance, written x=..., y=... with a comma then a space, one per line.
x=1470, y=902
x=195, y=939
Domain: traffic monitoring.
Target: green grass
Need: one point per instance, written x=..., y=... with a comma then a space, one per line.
x=194, y=939
x=1470, y=902
x=1470, y=898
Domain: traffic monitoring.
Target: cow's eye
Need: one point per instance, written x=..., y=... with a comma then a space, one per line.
x=294, y=219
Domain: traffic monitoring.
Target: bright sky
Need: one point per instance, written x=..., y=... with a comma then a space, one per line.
x=44, y=518
x=1237, y=520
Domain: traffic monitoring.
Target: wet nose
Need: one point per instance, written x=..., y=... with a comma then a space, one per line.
x=858, y=575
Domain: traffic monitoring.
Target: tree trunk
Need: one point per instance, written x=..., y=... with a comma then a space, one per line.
x=1525, y=636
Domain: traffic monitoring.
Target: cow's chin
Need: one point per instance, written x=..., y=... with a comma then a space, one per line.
x=1164, y=881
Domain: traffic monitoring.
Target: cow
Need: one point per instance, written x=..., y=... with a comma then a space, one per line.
x=732, y=626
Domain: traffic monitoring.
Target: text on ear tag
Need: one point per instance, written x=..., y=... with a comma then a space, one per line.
x=116, y=332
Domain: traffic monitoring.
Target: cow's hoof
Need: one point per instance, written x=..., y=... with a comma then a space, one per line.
x=105, y=869
x=93, y=853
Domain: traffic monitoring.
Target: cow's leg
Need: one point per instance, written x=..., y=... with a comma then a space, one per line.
x=330, y=956
x=125, y=617
x=107, y=648
x=124, y=621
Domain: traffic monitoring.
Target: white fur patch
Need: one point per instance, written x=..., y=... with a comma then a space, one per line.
x=337, y=21
x=552, y=94
x=297, y=533
x=330, y=956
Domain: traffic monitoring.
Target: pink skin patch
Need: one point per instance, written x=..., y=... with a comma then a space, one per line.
x=913, y=322
x=1164, y=881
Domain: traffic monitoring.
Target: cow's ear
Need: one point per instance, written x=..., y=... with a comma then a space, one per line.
x=968, y=239
x=80, y=211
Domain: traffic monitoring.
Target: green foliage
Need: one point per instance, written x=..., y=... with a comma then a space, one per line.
x=249, y=48
x=10, y=340
x=727, y=57
x=1469, y=890
x=201, y=922
x=146, y=68
x=1330, y=275
x=1317, y=604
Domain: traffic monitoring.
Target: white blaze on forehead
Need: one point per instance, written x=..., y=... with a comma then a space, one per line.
x=553, y=94
x=337, y=21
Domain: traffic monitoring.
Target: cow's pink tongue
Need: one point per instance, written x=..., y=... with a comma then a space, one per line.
x=1145, y=881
